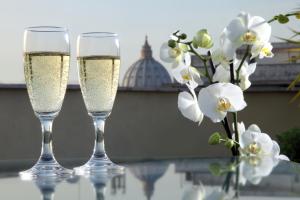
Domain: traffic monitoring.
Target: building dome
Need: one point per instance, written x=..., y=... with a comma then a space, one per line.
x=146, y=72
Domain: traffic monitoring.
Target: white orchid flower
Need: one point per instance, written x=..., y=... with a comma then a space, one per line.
x=245, y=72
x=222, y=73
x=276, y=152
x=225, y=54
x=187, y=102
x=219, y=98
x=176, y=56
x=245, y=29
x=187, y=75
x=255, y=168
x=255, y=143
x=188, y=106
x=262, y=50
x=241, y=129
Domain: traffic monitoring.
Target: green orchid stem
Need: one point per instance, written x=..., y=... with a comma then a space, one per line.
x=207, y=73
x=287, y=15
x=204, y=60
x=229, y=135
x=195, y=52
x=237, y=81
x=226, y=184
x=212, y=66
x=237, y=139
x=237, y=179
x=241, y=64
x=232, y=80
x=236, y=143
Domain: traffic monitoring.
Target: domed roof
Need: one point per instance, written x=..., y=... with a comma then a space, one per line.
x=149, y=173
x=146, y=72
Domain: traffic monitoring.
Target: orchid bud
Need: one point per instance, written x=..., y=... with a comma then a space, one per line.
x=231, y=167
x=172, y=43
x=282, y=19
x=214, y=139
x=183, y=36
x=229, y=143
x=202, y=39
x=183, y=47
x=215, y=169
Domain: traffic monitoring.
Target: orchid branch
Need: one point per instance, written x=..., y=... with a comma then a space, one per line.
x=237, y=177
x=229, y=134
x=207, y=73
x=242, y=62
x=232, y=80
x=236, y=132
x=282, y=18
x=212, y=66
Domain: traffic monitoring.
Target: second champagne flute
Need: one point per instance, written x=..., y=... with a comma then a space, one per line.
x=98, y=62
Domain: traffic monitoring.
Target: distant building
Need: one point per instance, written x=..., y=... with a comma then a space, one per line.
x=148, y=173
x=146, y=72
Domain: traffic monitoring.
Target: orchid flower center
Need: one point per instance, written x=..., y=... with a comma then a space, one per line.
x=254, y=161
x=266, y=51
x=249, y=37
x=174, y=52
x=186, y=76
x=254, y=148
x=223, y=104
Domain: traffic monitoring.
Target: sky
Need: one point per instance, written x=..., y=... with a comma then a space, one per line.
x=131, y=19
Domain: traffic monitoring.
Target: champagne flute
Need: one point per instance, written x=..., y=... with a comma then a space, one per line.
x=46, y=67
x=98, y=61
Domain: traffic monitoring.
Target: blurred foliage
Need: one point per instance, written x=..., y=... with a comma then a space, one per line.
x=289, y=142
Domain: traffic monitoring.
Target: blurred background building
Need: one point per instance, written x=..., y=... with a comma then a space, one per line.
x=146, y=73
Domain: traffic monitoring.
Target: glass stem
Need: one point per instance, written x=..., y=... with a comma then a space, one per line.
x=47, y=152
x=99, y=149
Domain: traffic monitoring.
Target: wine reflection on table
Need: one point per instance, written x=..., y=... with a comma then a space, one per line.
x=100, y=181
x=47, y=186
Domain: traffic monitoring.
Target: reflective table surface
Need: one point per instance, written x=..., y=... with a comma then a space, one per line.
x=186, y=179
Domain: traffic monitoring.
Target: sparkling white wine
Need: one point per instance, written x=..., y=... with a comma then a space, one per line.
x=99, y=77
x=46, y=75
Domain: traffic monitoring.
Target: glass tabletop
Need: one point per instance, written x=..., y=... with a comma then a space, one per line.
x=187, y=179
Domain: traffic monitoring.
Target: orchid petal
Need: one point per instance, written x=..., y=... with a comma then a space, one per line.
x=262, y=29
x=235, y=96
x=189, y=108
x=254, y=128
x=207, y=101
x=221, y=75
x=164, y=53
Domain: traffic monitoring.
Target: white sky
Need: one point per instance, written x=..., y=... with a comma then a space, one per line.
x=131, y=19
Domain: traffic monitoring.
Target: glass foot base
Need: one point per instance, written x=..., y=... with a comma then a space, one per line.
x=99, y=165
x=44, y=169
